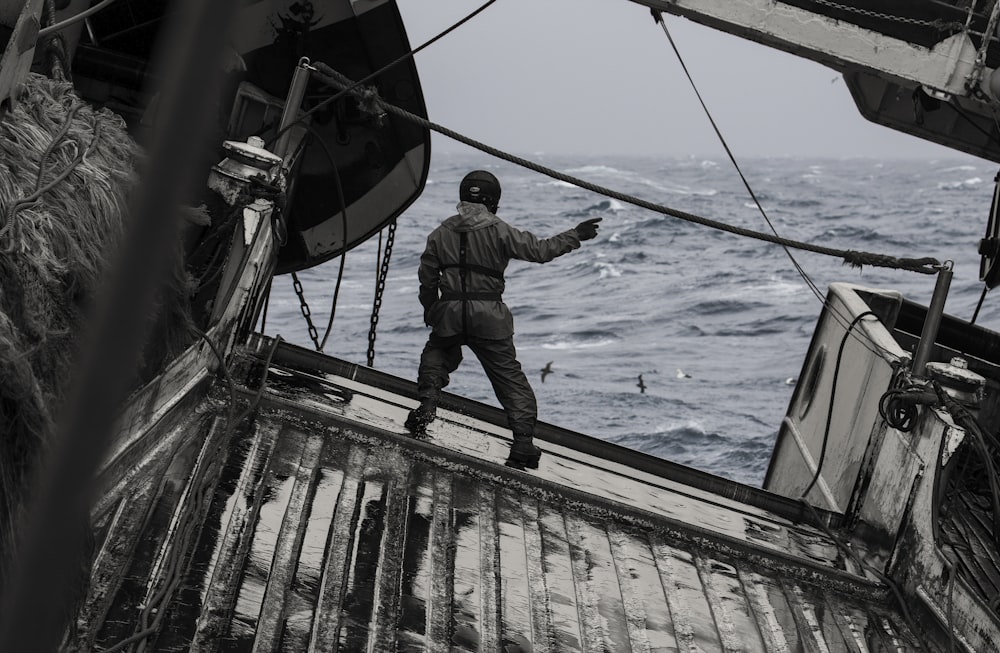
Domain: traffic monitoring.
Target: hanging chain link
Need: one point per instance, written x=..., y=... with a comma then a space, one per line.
x=379, y=291
x=306, y=313
x=875, y=14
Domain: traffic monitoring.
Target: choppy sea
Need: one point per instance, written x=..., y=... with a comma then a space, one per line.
x=717, y=325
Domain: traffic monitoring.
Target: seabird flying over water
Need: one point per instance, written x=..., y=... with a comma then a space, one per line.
x=546, y=370
x=641, y=385
x=681, y=374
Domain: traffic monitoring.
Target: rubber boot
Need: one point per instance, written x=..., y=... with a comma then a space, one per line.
x=419, y=419
x=523, y=453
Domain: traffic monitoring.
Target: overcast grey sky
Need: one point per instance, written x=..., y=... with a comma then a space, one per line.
x=592, y=77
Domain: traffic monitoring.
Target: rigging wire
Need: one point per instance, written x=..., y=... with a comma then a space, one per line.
x=186, y=532
x=924, y=265
x=356, y=85
x=863, y=339
x=72, y=20
x=953, y=104
x=658, y=17
x=318, y=342
x=862, y=564
x=267, y=304
x=343, y=223
x=833, y=394
x=979, y=304
x=321, y=343
x=336, y=173
x=982, y=442
x=372, y=102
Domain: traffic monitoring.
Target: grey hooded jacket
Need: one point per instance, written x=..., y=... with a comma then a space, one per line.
x=491, y=244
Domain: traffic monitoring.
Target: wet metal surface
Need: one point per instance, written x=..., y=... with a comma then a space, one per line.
x=327, y=530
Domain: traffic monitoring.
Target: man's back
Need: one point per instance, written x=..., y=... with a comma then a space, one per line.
x=488, y=244
x=461, y=290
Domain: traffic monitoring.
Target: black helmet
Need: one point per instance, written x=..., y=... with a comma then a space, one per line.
x=480, y=187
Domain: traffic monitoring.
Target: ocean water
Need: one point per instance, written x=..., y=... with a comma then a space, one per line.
x=657, y=296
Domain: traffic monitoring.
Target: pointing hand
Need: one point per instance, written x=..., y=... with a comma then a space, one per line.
x=587, y=229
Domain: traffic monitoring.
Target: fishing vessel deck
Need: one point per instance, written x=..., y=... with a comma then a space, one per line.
x=321, y=526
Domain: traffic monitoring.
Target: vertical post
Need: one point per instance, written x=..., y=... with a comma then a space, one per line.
x=296, y=91
x=933, y=320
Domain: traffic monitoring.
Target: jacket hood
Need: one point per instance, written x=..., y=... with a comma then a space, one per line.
x=470, y=217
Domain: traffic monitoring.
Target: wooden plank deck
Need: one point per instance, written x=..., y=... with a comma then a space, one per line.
x=320, y=526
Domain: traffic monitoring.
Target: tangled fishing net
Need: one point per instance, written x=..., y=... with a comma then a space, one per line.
x=67, y=172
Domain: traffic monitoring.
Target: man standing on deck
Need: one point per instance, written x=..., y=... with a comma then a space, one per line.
x=461, y=282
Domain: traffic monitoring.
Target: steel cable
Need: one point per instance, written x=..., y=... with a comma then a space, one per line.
x=371, y=100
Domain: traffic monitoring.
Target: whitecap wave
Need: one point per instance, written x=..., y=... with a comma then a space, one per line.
x=677, y=190
x=577, y=344
x=604, y=206
x=960, y=185
x=626, y=175
x=608, y=270
x=685, y=427
x=596, y=169
x=558, y=183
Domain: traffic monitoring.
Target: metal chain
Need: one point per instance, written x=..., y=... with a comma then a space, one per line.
x=875, y=14
x=379, y=291
x=306, y=313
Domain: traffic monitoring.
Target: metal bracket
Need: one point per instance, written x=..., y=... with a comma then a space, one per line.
x=21, y=29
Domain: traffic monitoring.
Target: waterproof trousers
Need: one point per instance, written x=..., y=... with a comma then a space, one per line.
x=442, y=356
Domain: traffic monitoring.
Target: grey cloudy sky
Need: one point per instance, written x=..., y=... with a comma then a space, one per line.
x=592, y=77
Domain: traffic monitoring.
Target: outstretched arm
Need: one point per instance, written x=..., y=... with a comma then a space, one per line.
x=526, y=246
x=587, y=229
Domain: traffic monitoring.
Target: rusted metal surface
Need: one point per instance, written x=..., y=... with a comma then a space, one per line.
x=321, y=527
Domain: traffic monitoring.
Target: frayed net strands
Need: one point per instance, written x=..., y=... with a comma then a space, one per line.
x=67, y=172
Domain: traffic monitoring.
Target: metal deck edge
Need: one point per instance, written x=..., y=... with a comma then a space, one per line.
x=594, y=507
x=791, y=509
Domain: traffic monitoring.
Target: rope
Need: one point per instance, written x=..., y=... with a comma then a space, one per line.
x=371, y=76
x=861, y=563
x=72, y=20
x=925, y=265
x=55, y=47
x=658, y=17
x=979, y=304
x=833, y=394
x=193, y=517
x=966, y=420
x=320, y=344
x=862, y=339
x=343, y=224
x=11, y=213
x=56, y=139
